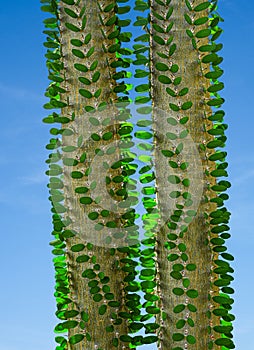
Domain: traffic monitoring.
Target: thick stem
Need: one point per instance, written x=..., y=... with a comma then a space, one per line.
x=196, y=237
x=104, y=258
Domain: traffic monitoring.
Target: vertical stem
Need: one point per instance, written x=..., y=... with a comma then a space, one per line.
x=102, y=260
x=196, y=237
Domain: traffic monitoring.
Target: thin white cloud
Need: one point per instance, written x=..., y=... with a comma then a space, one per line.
x=242, y=178
x=19, y=93
x=34, y=179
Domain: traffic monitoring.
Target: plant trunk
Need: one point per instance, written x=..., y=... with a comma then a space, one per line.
x=190, y=245
x=103, y=269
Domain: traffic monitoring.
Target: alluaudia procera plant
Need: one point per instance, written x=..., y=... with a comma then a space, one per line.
x=137, y=175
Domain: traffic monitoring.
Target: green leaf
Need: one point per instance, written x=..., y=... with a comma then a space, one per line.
x=158, y=40
x=216, y=102
x=188, y=19
x=161, y=66
x=68, y=233
x=153, y=310
x=109, y=296
x=174, y=68
x=68, y=2
x=223, y=300
x=72, y=27
x=207, y=48
x=158, y=16
x=177, y=336
x=188, y=5
x=180, y=324
x=114, y=48
x=164, y=79
x=192, y=308
x=76, y=42
x=70, y=13
x=81, y=189
x=144, y=135
x=202, y=6
x=186, y=105
x=167, y=153
x=218, y=173
x=87, y=38
x=136, y=325
x=90, y=52
x=109, y=7
x=77, y=247
x=172, y=49
x=171, y=92
x=175, y=194
x=203, y=33
x=84, y=80
x=71, y=313
x=88, y=109
x=82, y=258
x=80, y=67
x=77, y=338
x=47, y=8
x=142, y=88
x=169, y=13
x=96, y=77
x=174, y=179
x=85, y=93
x=191, y=339
x=227, y=256
x=158, y=28
x=214, y=74
x=70, y=324
x=186, y=282
x=191, y=267
x=141, y=73
x=214, y=144
x=97, y=93
x=190, y=322
x=162, y=55
x=147, y=272
x=124, y=22
x=225, y=342
x=182, y=247
x=176, y=275
x=102, y=309
x=123, y=9
x=192, y=293
x=76, y=174
x=223, y=329
x=172, y=257
x=184, y=257
x=183, y=92
x=178, y=291
x=125, y=338
x=150, y=339
x=177, y=81
x=200, y=21
x=179, y=308
x=173, y=106
x=178, y=267
x=85, y=200
x=94, y=65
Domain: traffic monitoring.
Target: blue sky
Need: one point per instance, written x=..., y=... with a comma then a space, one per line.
x=27, y=304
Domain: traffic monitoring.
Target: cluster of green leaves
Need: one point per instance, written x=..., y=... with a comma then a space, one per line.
x=168, y=76
x=143, y=281
x=54, y=92
x=219, y=218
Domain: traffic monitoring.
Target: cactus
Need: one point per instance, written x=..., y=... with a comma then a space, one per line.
x=137, y=175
